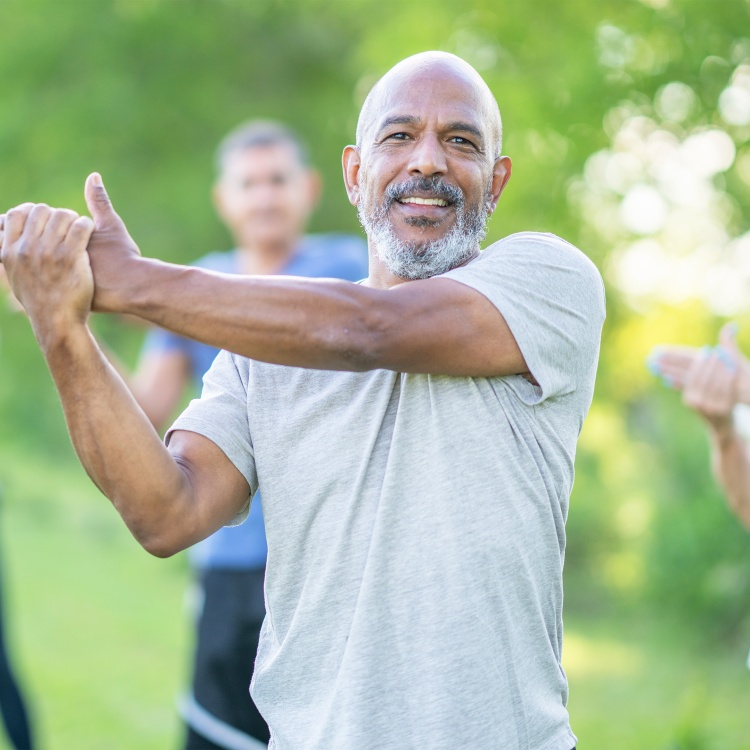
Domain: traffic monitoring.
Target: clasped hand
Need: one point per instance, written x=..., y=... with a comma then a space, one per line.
x=43, y=251
x=60, y=265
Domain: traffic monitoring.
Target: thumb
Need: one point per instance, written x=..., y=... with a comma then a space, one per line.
x=99, y=204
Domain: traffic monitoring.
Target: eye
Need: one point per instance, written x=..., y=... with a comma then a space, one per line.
x=400, y=136
x=461, y=141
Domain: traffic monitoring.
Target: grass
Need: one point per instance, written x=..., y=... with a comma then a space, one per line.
x=637, y=683
x=97, y=627
x=99, y=635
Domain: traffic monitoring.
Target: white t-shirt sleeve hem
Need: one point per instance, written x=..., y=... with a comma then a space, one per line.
x=233, y=450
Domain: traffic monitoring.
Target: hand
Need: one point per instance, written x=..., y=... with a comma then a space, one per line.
x=712, y=379
x=13, y=303
x=110, y=246
x=43, y=252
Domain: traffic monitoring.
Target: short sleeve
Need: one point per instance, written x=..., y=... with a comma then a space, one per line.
x=220, y=414
x=552, y=297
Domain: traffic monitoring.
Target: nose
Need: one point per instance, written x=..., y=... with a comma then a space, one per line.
x=427, y=158
x=264, y=194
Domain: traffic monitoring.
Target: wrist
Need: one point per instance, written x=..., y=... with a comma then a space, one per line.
x=116, y=290
x=723, y=431
x=58, y=333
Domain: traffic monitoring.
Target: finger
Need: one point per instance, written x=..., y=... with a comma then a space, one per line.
x=80, y=231
x=15, y=221
x=99, y=204
x=37, y=220
x=710, y=387
x=673, y=377
x=662, y=357
x=59, y=223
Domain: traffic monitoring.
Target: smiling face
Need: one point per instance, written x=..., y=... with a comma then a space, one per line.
x=425, y=175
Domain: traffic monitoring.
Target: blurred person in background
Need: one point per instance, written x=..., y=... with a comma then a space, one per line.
x=715, y=384
x=264, y=193
x=12, y=704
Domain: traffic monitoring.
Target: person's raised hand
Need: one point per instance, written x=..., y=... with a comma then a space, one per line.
x=110, y=248
x=672, y=363
x=712, y=379
x=44, y=256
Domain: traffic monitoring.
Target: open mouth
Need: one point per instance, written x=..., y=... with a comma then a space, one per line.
x=414, y=200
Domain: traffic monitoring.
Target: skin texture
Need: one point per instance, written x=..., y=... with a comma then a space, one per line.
x=172, y=497
x=713, y=381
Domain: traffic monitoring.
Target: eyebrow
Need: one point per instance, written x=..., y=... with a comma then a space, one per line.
x=459, y=125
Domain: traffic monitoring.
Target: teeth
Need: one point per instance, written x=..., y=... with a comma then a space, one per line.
x=425, y=201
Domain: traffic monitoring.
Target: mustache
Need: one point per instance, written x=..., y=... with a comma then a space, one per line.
x=427, y=187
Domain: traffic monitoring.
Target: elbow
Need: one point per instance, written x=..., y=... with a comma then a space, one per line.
x=157, y=537
x=160, y=549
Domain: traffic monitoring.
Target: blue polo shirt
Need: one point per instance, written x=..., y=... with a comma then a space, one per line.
x=337, y=256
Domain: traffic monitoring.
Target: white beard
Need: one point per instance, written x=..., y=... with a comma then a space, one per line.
x=421, y=260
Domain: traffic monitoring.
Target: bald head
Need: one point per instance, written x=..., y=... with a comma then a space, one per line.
x=423, y=69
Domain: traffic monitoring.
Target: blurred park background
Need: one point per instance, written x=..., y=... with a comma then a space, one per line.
x=628, y=122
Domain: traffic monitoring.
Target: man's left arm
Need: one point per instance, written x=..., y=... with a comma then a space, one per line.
x=436, y=326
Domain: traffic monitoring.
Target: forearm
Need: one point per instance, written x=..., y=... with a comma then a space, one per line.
x=115, y=442
x=730, y=458
x=314, y=323
x=436, y=326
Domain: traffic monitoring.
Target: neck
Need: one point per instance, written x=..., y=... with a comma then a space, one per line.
x=381, y=277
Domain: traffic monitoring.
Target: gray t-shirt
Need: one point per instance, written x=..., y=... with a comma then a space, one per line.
x=416, y=525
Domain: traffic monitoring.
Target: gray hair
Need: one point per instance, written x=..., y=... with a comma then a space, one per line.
x=258, y=134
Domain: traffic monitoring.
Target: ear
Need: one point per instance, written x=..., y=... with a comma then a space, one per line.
x=500, y=176
x=351, y=162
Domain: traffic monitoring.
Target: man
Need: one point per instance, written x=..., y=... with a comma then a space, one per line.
x=715, y=383
x=264, y=193
x=415, y=499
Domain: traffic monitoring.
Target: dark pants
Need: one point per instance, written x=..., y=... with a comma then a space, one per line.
x=227, y=641
x=12, y=706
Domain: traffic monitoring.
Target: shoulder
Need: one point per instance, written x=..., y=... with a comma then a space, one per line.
x=545, y=258
x=544, y=248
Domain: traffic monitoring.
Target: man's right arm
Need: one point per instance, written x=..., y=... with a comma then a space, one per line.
x=169, y=498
